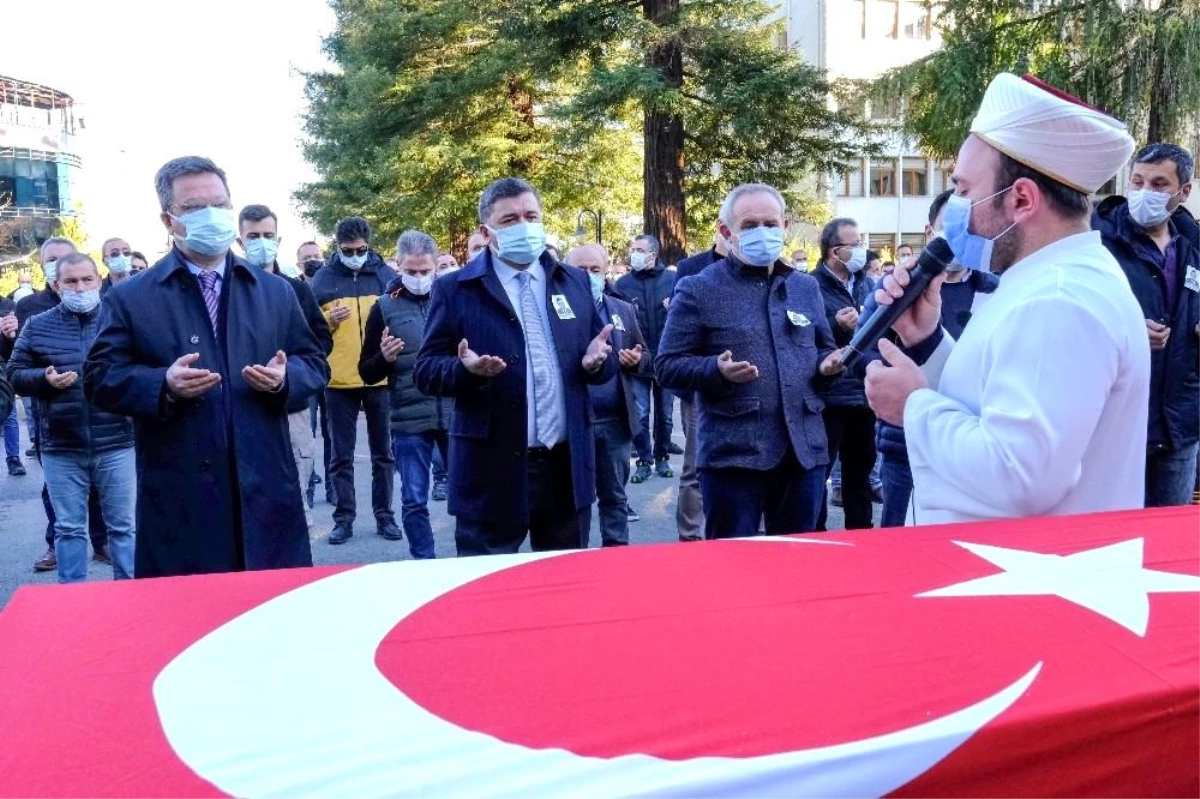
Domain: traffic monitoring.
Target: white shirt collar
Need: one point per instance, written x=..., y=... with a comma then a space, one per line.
x=508, y=274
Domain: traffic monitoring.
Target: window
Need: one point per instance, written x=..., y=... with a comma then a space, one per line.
x=851, y=183
x=883, y=19
x=882, y=241
x=858, y=9
x=915, y=183
x=883, y=180
x=886, y=109
x=916, y=19
x=914, y=240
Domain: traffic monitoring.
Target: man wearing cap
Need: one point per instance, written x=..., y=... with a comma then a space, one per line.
x=1040, y=408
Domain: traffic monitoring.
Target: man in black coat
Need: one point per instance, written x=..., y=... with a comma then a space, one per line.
x=689, y=509
x=613, y=403
x=1157, y=243
x=515, y=338
x=849, y=422
x=205, y=352
x=649, y=286
x=83, y=449
x=258, y=236
x=749, y=335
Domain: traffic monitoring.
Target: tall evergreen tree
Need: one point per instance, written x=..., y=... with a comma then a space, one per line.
x=1136, y=59
x=434, y=98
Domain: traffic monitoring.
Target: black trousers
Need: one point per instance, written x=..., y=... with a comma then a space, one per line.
x=554, y=523
x=343, y=406
x=851, y=434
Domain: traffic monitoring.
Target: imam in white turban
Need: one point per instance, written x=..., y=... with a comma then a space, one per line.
x=1052, y=132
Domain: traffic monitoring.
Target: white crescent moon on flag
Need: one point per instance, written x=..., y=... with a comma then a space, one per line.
x=286, y=701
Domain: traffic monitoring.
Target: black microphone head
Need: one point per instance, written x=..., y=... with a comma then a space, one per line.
x=937, y=256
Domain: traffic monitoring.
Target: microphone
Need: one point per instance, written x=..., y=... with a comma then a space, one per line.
x=934, y=260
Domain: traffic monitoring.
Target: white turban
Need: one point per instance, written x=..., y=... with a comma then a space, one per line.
x=1052, y=133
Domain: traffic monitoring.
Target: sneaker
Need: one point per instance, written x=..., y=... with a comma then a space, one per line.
x=642, y=473
x=100, y=554
x=390, y=531
x=632, y=514
x=47, y=562
x=674, y=449
x=663, y=468
x=440, y=490
x=31, y=452
x=835, y=496
x=15, y=467
x=310, y=497
x=341, y=534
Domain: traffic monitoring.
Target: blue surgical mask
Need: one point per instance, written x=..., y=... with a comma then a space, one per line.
x=120, y=264
x=50, y=270
x=970, y=249
x=597, y=282
x=261, y=252
x=81, y=301
x=760, y=246
x=522, y=243
x=210, y=231
x=354, y=262
x=858, y=259
x=640, y=260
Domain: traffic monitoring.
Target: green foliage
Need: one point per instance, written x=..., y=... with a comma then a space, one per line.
x=1138, y=61
x=432, y=99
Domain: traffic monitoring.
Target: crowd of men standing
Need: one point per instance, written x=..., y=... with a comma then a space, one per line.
x=177, y=406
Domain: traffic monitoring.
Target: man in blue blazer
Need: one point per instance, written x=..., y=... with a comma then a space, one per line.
x=749, y=335
x=515, y=338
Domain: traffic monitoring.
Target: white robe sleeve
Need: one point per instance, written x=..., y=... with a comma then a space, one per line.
x=1044, y=379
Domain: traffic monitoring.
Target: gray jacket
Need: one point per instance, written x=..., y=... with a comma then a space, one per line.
x=776, y=323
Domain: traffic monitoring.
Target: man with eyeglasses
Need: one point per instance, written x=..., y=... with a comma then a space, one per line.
x=346, y=288
x=206, y=352
x=849, y=423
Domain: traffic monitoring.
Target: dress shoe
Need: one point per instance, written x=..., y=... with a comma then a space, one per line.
x=341, y=534
x=31, y=452
x=47, y=562
x=674, y=449
x=835, y=497
x=15, y=467
x=631, y=514
x=100, y=554
x=390, y=531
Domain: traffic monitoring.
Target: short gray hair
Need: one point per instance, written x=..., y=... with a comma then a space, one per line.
x=651, y=240
x=745, y=189
x=52, y=241
x=414, y=243
x=164, y=180
x=502, y=189
x=76, y=258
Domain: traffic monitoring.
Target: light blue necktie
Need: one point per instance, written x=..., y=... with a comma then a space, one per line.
x=547, y=421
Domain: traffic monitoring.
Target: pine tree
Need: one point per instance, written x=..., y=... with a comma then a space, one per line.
x=1136, y=59
x=657, y=106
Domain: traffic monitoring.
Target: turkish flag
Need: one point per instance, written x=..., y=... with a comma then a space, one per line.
x=1041, y=657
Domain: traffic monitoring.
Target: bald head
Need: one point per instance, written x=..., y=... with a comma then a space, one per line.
x=590, y=258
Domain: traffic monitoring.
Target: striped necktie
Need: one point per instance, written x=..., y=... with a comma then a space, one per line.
x=547, y=420
x=212, y=300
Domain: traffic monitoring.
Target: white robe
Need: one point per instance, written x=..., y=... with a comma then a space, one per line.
x=1041, y=407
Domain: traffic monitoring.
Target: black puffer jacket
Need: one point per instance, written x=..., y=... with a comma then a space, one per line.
x=67, y=421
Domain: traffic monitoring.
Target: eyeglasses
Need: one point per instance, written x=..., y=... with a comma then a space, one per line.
x=348, y=251
x=849, y=244
x=187, y=209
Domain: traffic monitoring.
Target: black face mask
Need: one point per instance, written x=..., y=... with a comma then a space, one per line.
x=312, y=265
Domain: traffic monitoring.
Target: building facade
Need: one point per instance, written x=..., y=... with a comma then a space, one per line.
x=38, y=168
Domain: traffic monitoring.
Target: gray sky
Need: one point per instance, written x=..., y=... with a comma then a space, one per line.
x=157, y=80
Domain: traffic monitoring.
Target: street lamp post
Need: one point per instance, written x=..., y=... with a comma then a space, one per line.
x=580, y=232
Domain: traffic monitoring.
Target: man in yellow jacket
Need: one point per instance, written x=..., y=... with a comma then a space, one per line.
x=346, y=288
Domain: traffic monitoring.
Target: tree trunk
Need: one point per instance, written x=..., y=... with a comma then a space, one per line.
x=1162, y=95
x=522, y=101
x=662, y=176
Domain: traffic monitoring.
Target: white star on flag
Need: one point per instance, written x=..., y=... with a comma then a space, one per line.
x=1109, y=580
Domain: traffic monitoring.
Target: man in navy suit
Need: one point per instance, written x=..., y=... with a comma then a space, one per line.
x=749, y=336
x=515, y=338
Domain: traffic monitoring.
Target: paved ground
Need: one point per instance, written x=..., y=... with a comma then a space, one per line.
x=23, y=522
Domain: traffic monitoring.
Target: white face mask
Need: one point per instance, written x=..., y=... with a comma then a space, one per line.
x=640, y=260
x=1149, y=208
x=417, y=284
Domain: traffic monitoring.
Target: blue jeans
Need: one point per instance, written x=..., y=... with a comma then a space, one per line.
x=413, y=453
x=897, y=490
x=646, y=392
x=1171, y=477
x=70, y=477
x=788, y=497
x=612, y=473
x=12, y=435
